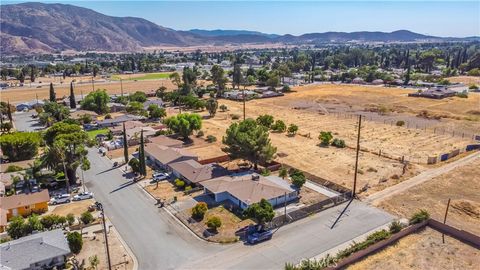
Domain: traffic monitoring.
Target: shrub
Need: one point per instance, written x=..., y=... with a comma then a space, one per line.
x=265, y=120
x=179, y=183
x=462, y=95
x=13, y=168
x=235, y=116
x=223, y=108
x=70, y=219
x=261, y=211
x=292, y=129
x=86, y=217
x=400, y=123
x=298, y=178
x=279, y=126
x=283, y=172
x=339, y=143
x=199, y=210
x=419, y=217
x=108, y=116
x=75, y=241
x=49, y=221
x=211, y=138
x=286, y=88
x=395, y=226
x=200, y=134
x=188, y=188
x=265, y=172
x=214, y=223
x=473, y=87
x=325, y=137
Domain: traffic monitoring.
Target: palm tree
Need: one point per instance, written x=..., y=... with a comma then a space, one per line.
x=52, y=157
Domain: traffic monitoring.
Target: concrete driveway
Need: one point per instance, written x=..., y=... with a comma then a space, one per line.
x=24, y=122
x=160, y=242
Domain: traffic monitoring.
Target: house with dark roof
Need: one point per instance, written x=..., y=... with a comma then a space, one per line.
x=245, y=189
x=162, y=156
x=193, y=172
x=45, y=250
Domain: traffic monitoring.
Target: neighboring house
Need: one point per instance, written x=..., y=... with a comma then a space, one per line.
x=133, y=134
x=437, y=93
x=116, y=107
x=194, y=172
x=118, y=130
x=119, y=120
x=358, y=80
x=162, y=156
x=29, y=105
x=23, y=205
x=377, y=82
x=246, y=189
x=158, y=102
x=165, y=141
x=80, y=113
x=238, y=95
x=6, y=181
x=45, y=250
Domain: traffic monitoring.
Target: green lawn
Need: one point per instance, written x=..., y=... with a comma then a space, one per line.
x=149, y=76
x=93, y=133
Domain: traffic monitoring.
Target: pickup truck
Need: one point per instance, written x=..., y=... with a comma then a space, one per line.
x=259, y=236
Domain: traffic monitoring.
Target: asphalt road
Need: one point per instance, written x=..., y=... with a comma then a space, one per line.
x=159, y=242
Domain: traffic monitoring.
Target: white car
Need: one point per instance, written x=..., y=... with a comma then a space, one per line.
x=63, y=198
x=160, y=176
x=83, y=196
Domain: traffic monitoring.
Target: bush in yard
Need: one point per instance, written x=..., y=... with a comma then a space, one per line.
x=13, y=168
x=17, y=227
x=395, y=226
x=283, y=172
x=86, y=217
x=298, y=178
x=235, y=116
x=49, y=221
x=188, y=188
x=179, y=183
x=214, y=223
x=325, y=137
x=199, y=210
x=200, y=133
x=339, y=143
x=75, y=242
x=20, y=145
x=265, y=172
x=223, y=108
x=211, y=138
x=292, y=129
x=279, y=126
x=70, y=219
x=262, y=211
x=265, y=120
x=400, y=123
x=419, y=217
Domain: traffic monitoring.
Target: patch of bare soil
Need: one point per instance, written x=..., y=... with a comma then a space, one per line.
x=423, y=250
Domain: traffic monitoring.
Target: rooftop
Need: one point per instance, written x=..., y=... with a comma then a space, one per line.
x=167, y=155
x=196, y=172
x=165, y=141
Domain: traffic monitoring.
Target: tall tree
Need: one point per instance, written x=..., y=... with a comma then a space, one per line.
x=125, y=144
x=141, y=156
x=9, y=112
x=237, y=76
x=211, y=105
x=218, y=78
x=53, y=97
x=73, y=104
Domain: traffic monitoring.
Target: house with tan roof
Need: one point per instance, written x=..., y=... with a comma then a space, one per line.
x=165, y=141
x=246, y=189
x=162, y=156
x=118, y=130
x=194, y=172
x=22, y=205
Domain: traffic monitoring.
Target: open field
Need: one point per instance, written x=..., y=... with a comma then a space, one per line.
x=461, y=185
x=465, y=79
x=16, y=95
x=423, y=250
x=142, y=76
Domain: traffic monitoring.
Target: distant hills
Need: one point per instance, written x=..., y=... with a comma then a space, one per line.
x=38, y=27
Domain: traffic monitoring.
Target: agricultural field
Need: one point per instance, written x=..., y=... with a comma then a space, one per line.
x=461, y=185
x=141, y=76
x=307, y=108
x=423, y=250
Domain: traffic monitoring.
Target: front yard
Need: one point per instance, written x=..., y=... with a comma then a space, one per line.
x=93, y=133
x=167, y=191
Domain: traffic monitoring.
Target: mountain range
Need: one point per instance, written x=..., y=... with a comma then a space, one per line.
x=39, y=28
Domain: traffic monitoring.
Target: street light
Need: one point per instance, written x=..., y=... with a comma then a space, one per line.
x=100, y=207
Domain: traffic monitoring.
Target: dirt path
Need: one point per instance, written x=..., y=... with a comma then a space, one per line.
x=376, y=198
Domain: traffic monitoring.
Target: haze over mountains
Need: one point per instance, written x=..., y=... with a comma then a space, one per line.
x=38, y=27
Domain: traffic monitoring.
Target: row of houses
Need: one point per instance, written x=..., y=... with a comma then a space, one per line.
x=239, y=190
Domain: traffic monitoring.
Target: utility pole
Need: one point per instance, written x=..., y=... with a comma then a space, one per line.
x=100, y=206
x=121, y=86
x=243, y=104
x=93, y=85
x=445, y=219
x=356, y=158
x=285, y=206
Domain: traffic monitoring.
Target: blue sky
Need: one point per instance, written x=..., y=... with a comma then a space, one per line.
x=440, y=18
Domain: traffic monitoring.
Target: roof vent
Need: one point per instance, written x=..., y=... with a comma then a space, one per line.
x=255, y=177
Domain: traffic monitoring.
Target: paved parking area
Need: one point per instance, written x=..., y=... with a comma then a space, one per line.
x=24, y=122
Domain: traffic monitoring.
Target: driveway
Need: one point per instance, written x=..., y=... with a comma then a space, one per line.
x=24, y=122
x=160, y=242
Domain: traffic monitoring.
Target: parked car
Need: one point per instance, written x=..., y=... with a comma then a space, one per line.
x=160, y=176
x=259, y=237
x=62, y=198
x=83, y=196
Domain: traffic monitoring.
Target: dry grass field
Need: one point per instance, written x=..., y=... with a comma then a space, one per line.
x=461, y=185
x=423, y=250
x=465, y=79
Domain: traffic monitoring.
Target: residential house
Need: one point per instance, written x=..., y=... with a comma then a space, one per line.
x=6, y=181
x=238, y=95
x=245, y=189
x=45, y=250
x=162, y=156
x=29, y=105
x=116, y=107
x=23, y=204
x=193, y=172
x=358, y=80
x=159, y=102
x=119, y=120
x=118, y=129
x=165, y=141
x=437, y=93
x=80, y=113
x=378, y=82
x=133, y=134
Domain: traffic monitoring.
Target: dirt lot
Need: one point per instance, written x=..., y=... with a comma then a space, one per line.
x=166, y=191
x=26, y=93
x=423, y=250
x=76, y=208
x=96, y=246
x=465, y=79
x=461, y=185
